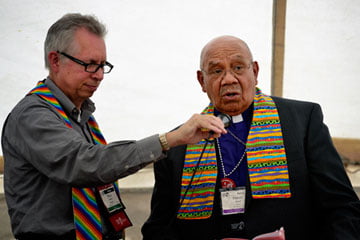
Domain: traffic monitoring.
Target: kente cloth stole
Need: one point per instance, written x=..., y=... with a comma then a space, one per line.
x=86, y=213
x=266, y=158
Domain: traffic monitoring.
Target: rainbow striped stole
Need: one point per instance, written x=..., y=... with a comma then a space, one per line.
x=86, y=213
x=266, y=156
x=266, y=159
x=198, y=201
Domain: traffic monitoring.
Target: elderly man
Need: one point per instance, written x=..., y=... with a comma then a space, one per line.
x=276, y=167
x=59, y=172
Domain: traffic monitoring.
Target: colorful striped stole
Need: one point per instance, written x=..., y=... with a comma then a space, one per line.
x=267, y=164
x=197, y=202
x=86, y=213
x=266, y=156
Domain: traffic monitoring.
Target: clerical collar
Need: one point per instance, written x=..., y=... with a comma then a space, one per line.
x=237, y=118
x=245, y=116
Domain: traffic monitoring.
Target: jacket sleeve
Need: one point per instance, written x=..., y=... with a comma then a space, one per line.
x=331, y=186
x=165, y=198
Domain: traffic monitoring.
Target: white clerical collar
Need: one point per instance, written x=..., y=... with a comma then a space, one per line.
x=237, y=118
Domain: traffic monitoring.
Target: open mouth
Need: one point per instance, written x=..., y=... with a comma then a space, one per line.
x=231, y=95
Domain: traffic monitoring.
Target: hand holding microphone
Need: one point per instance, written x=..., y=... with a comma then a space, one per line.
x=192, y=131
x=225, y=118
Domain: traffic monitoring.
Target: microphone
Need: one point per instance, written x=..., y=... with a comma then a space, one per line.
x=225, y=118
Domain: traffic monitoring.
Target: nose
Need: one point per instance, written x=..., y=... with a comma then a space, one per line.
x=99, y=74
x=229, y=78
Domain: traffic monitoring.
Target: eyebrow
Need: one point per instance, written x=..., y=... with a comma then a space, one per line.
x=212, y=63
x=238, y=57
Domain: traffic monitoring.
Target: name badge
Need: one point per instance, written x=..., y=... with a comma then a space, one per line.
x=233, y=200
x=114, y=206
x=110, y=198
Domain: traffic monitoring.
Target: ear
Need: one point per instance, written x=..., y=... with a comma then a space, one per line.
x=54, y=60
x=255, y=71
x=200, y=78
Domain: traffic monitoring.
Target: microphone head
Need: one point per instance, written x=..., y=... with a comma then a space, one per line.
x=226, y=119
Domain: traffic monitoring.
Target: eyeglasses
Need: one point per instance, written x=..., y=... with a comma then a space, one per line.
x=90, y=67
x=217, y=71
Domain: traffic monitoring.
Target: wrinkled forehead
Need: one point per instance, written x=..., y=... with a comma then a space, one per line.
x=225, y=59
x=225, y=50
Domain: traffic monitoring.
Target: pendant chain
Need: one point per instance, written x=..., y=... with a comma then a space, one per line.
x=239, y=140
x=220, y=155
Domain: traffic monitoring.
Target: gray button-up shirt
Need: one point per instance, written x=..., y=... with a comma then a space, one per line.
x=44, y=159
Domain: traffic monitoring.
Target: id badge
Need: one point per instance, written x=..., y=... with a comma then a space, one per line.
x=232, y=200
x=114, y=206
x=110, y=198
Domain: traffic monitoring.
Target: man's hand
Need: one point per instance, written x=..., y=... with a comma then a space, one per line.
x=196, y=128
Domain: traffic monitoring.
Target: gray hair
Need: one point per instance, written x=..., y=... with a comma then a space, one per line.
x=60, y=35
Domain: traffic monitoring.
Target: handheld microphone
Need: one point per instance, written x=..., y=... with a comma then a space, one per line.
x=225, y=118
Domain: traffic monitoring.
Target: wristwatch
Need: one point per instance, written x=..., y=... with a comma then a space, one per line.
x=163, y=142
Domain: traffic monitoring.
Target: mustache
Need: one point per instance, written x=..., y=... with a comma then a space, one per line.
x=230, y=90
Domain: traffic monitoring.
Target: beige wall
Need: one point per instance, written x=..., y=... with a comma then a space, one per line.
x=348, y=148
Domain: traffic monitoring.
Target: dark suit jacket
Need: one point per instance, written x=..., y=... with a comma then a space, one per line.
x=323, y=204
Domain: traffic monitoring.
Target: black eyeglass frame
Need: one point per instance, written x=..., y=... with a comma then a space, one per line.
x=78, y=61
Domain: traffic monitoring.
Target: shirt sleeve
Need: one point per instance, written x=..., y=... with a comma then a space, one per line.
x=37, y=133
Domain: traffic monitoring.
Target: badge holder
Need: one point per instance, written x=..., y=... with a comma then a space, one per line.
x=114, y=206
x=232, y=200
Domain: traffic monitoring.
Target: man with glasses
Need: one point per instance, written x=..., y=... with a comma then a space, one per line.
x=60, y=175
x=276, y=167
x=90, y=67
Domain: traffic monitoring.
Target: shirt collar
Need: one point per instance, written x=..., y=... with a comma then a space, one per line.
x=245, y=116
x=87, y=108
